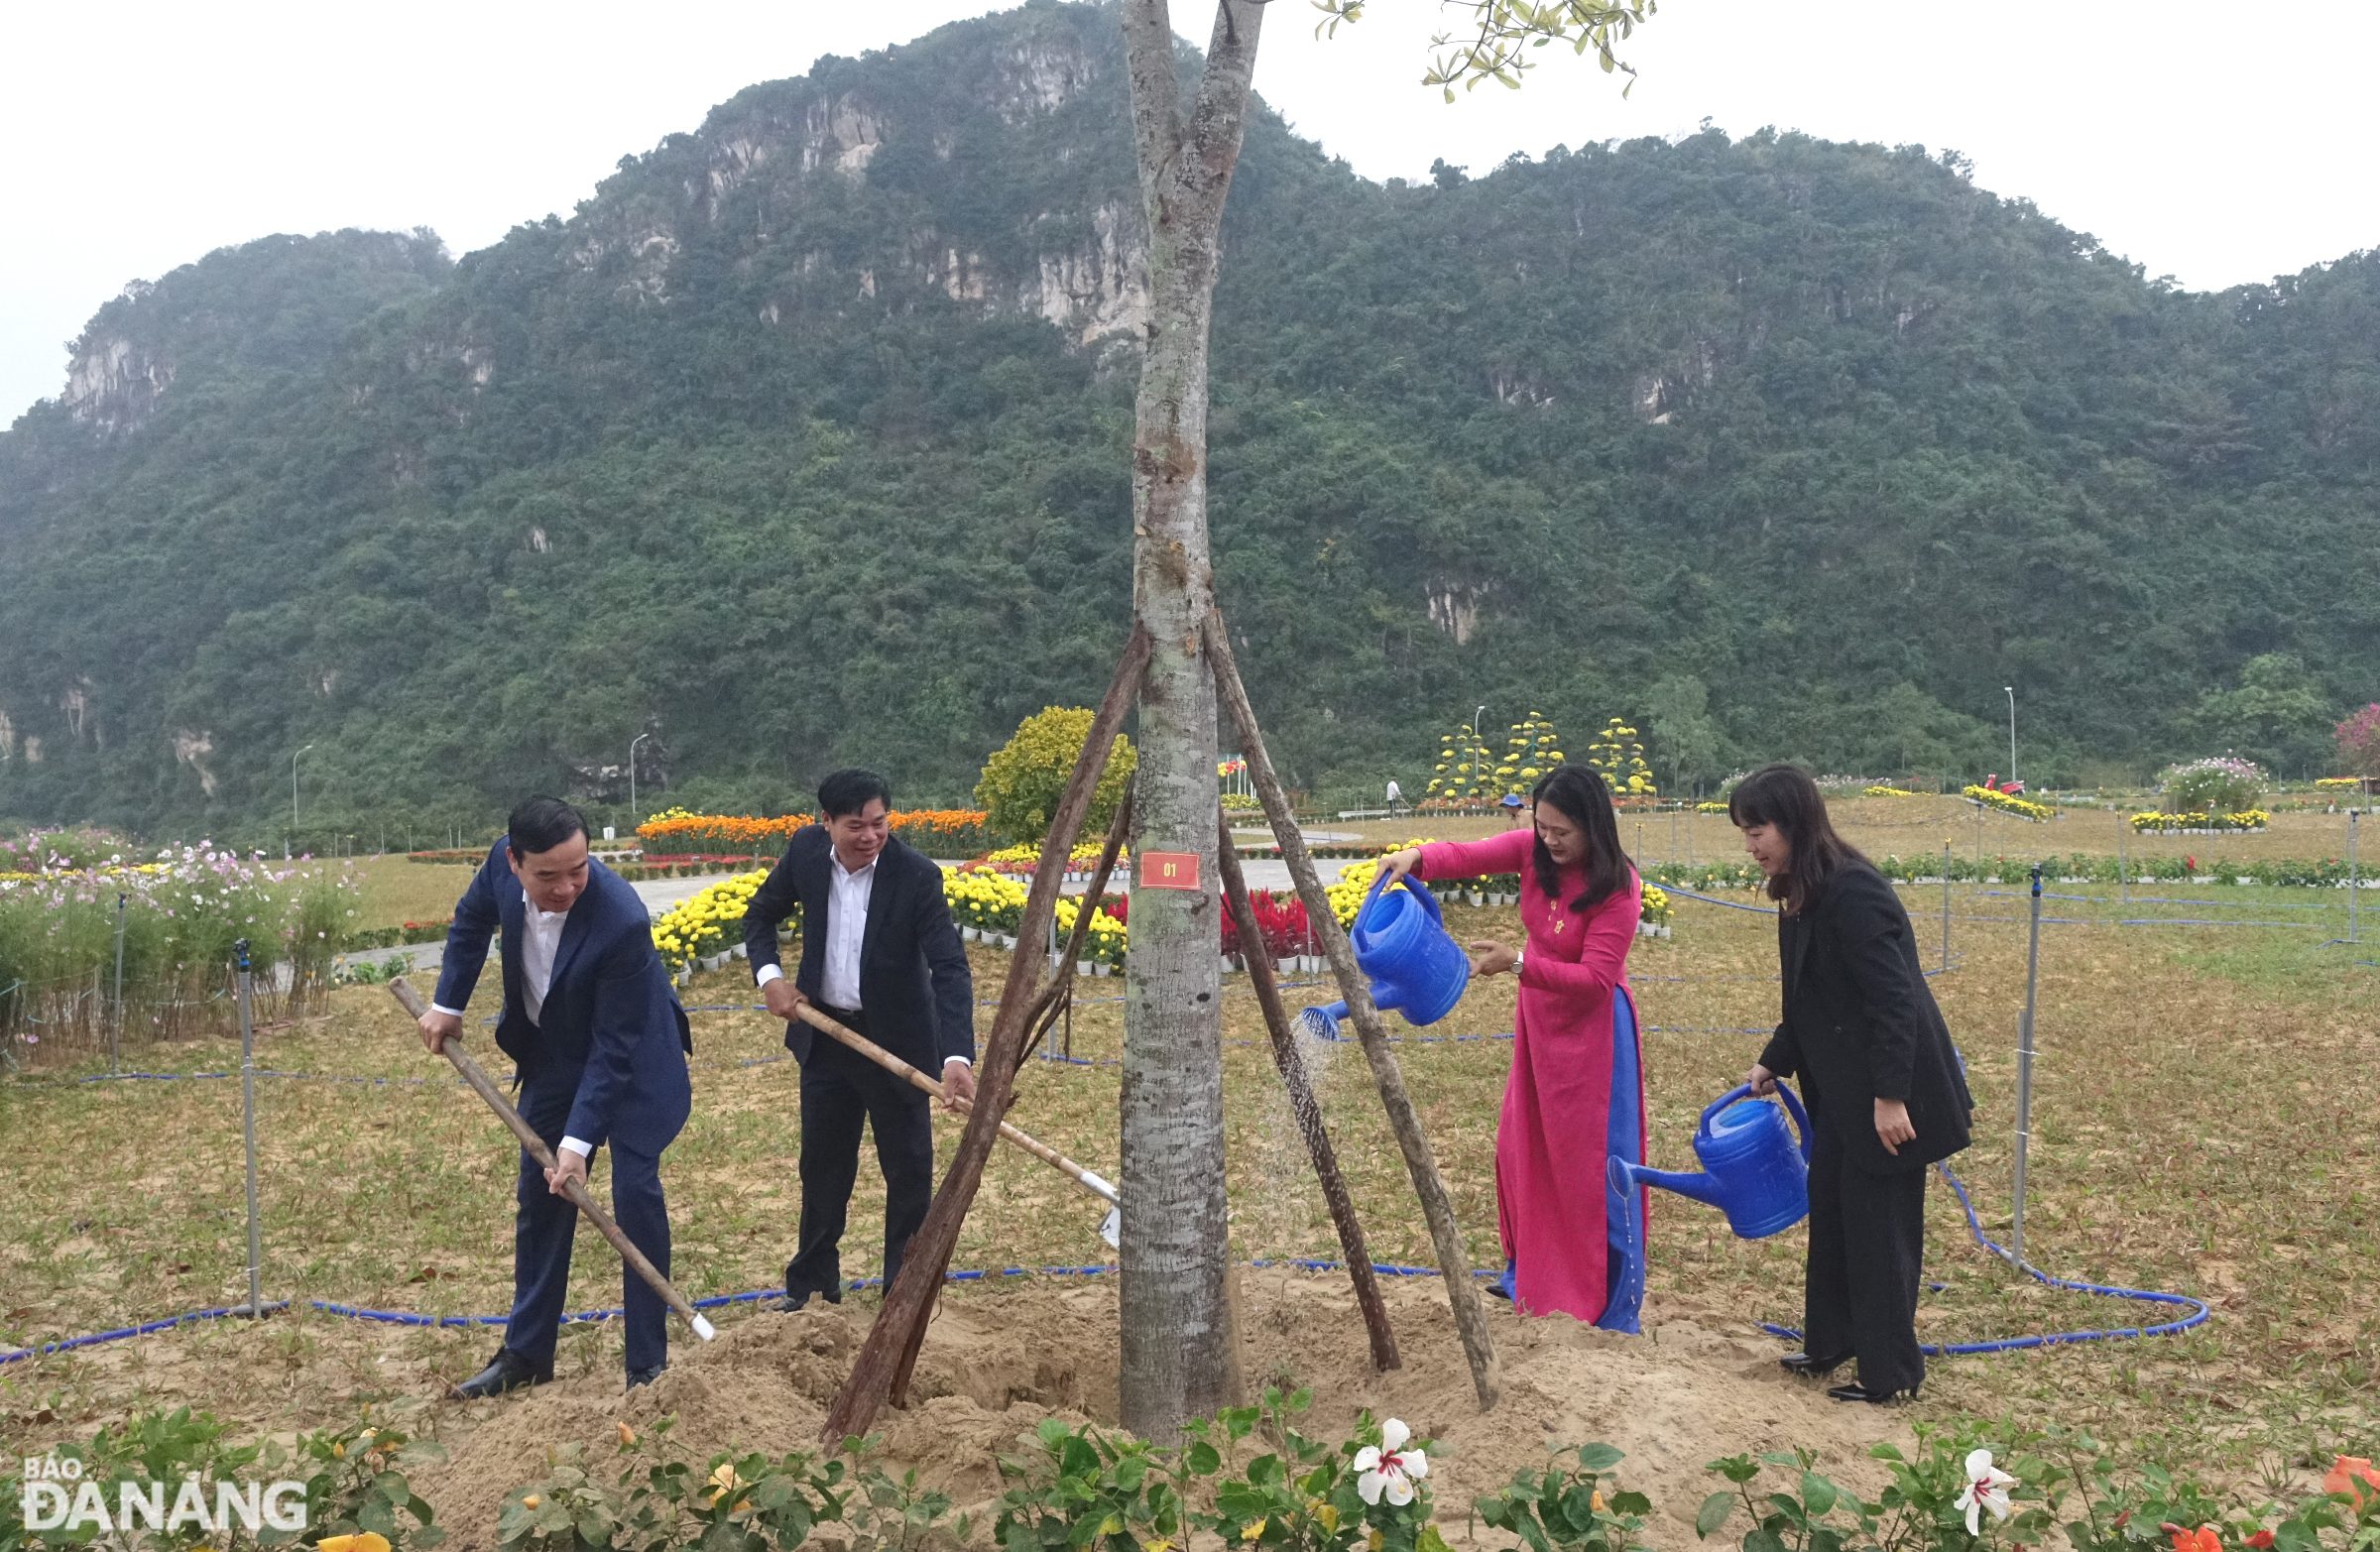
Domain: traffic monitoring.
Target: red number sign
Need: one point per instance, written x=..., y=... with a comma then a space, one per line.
x=1170, y=870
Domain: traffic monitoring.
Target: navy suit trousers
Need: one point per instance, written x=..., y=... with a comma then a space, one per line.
x=545, y=1223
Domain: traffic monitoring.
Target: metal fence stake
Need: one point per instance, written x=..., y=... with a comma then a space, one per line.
x=2024, y=1075
x=256, y=1298
x=115, y=1037
x=1946, y=902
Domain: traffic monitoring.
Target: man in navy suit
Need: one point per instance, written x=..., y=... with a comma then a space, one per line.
x=593, y=1023
x=879, y=956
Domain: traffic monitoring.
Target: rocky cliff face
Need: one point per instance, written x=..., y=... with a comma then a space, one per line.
x=278, y=303
x=112, y=383
x=854, y=185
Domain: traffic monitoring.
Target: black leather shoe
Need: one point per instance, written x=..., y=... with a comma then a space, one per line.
x=506, y=1371
x=789, y=1303
x=1855, y=1391
x=1811, y=1365
x=645, y=1377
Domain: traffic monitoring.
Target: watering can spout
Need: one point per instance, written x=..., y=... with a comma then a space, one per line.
x=1626, y=1177
x=1321, y=1024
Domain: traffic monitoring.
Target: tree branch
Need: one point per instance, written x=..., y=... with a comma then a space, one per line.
x=1156, y=97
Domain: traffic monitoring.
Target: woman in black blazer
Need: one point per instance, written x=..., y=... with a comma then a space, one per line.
x=1884, y=1088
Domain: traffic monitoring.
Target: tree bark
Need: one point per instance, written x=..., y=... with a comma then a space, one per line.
x=1175, y=1362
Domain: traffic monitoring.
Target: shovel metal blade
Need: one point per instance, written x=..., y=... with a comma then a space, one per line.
x=1111, y=1228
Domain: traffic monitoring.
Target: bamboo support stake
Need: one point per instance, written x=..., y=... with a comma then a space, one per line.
x=1301, y=1105
x=410, y=1000
x=1437, y=1204
x=882, y=1370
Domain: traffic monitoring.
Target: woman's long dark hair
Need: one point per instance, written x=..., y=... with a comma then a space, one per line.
x=1785, y=799
x=1581, y=796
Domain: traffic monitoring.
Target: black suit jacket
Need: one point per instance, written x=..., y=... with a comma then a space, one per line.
x=914, y=984
x=1861, y=1024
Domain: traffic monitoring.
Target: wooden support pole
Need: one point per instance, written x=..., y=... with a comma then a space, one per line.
x=1301, y=1105
x=1059, y=994
x=882, y=1372
x=1437, y=1204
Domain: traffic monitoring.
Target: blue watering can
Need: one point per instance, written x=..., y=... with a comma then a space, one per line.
x=1752, y=1170
x=1402, y=948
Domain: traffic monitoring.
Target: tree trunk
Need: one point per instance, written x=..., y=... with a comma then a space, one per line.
x=1176, y=1326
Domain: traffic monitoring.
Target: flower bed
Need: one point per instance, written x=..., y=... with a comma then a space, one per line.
x=1988, y=797
x=674, y=832
x=181, y=910
x=708, y=923
x=2199, y=823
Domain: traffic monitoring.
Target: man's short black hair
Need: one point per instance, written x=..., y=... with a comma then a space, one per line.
x=539, y=824
x=847, y=792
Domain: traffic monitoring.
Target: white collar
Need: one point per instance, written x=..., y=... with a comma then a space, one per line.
x=834, y=859
x=543, y=914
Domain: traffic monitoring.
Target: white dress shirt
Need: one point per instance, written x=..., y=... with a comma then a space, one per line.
x=540, y=937
x=848, y=893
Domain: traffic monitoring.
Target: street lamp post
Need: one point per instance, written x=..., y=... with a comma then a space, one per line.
x=293, y=787
x=631, y=776
x=2011, y=689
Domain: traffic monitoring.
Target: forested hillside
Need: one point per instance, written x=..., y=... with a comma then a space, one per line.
x=803, y=441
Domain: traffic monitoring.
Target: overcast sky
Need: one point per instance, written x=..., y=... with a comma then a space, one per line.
x=2211, y=143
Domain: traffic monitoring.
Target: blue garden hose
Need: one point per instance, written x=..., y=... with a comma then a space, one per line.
x=2197, y=1315
x=121, y=1333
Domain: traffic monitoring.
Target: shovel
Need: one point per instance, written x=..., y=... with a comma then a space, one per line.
x=410, y=1000
x=1111, y=1228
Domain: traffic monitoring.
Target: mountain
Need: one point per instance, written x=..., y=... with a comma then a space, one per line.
x=802, y=443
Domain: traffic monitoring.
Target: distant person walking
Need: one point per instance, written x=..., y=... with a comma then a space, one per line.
x=879, y=956
x=1396, y=797
x=1576, y=1092
x=591, y=1017
x=1882, y=1082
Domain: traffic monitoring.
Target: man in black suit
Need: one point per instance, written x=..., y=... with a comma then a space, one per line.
x=880, y=956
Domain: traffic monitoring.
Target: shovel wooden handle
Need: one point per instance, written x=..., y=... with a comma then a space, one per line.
x=452, y=1049
x=900, y=1069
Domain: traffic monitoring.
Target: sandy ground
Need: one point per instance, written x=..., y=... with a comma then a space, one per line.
x=1697, y=1385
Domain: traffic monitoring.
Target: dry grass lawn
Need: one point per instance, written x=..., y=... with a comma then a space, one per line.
x=2202, y=1122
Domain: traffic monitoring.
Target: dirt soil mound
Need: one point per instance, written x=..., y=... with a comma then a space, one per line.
x=1698, y=1385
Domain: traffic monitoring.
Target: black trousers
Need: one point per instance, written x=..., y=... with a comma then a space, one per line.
x=1867, y=1244
x=842, y=1091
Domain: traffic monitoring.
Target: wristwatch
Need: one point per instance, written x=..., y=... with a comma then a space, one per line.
x=1516, y=961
